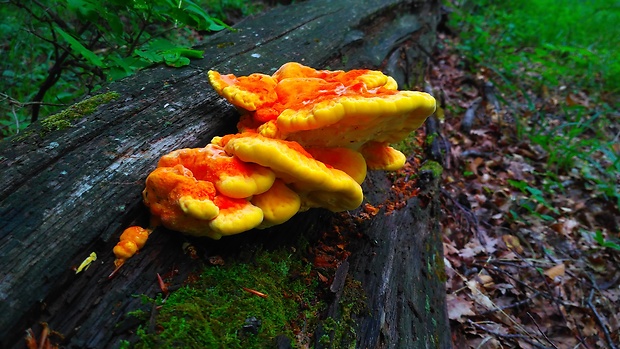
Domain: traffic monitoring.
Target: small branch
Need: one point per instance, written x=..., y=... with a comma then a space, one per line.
x=541, y=331
x=16, y=119
x=470, y=115
x=53, y=15
x=513, y=305
x=508, y=336
x=54, y=75
x=19, y=104
x=136, y=40
x=468, y=213
x=600, y=321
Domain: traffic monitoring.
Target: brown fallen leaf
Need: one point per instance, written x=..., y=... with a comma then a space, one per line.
x=459, y=307
x=556, y=272
x=512, y=242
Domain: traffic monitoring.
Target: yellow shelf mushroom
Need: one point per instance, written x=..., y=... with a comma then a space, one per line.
x=306, y=139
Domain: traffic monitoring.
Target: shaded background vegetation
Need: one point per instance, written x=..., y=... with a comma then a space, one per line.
x=532, y=188
x=56, y=51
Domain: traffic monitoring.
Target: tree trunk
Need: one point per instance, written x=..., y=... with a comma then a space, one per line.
x=66, y=193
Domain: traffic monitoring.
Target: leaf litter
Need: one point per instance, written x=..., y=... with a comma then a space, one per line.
x=525, y=267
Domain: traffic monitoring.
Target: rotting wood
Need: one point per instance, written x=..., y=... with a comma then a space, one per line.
x=67, y=193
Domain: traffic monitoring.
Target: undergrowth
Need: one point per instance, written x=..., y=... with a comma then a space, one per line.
x=532, y=187
x=55, y=52
x=556, y=65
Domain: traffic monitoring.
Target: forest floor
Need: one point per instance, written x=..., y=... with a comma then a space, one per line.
x=529, y=263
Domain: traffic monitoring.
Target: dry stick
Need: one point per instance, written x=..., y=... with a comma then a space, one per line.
x=516, y=325
x=600, y=322
x=470, y=115
x=568, y=272
x=468, y=213
x=556, y=302
x=512, y=305
x=508, y=336
x=531, y=288
x=556, y=261
x=541, y=331
x=510, y=276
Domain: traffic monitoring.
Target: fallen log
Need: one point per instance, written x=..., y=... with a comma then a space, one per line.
x=69, y=186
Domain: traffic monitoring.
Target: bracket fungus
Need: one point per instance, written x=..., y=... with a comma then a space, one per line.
x=306, y=139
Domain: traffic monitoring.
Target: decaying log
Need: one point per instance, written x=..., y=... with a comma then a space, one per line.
x=67, y=193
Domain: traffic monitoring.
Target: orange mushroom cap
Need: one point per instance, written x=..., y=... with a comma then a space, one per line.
x=317, y=184
x=321, y=108
x=278, y=204
x=191, y=206
x=380, y=156
x=131, y=240
x=344, y=159
x=231, y=176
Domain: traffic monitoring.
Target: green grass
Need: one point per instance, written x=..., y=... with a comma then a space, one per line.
x=555, y=39
x=555, y=64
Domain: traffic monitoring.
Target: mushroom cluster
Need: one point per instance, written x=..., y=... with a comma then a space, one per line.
x=306, y=139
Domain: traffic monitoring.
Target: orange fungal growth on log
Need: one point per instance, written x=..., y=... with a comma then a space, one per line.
x=131, y=241
x=321, y=108
x=278, y=204
x=231, y=176
x=380, y=156
x=306, y=139
x=344, y=159
x=317, y=184
x=193, y=205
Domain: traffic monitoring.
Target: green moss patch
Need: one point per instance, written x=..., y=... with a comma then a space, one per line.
x=217, y=312
x=434, y=167
x=77, y=111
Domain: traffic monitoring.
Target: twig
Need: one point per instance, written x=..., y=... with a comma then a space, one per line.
x=468, y=213
x=512, y=305
x=541, y=331
x=470, y=115
x=15, y=118
x=559, y=303
x=600, y=322
x=508, y=336
x=19, y=104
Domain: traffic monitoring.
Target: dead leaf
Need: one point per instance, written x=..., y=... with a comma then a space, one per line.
x=486, y=281
x=459, y=307
x=513, y=243
x=556, y=272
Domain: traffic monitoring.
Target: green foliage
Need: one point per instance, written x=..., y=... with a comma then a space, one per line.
x=579, y=146
x=543, y=53
x=211, y=312
x=231, y=9
x=536, y=196
x=552, y=38
x=63, y=49
x=600, y=239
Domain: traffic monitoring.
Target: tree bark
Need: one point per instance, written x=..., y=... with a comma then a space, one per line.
x=64, y=194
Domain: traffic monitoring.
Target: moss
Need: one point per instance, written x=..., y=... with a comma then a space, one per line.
x=213, y=311
x=429, y=139
x=434, y=167
x=341, y=333
x=408, y=145
x=64, y=119
x=440, y=267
